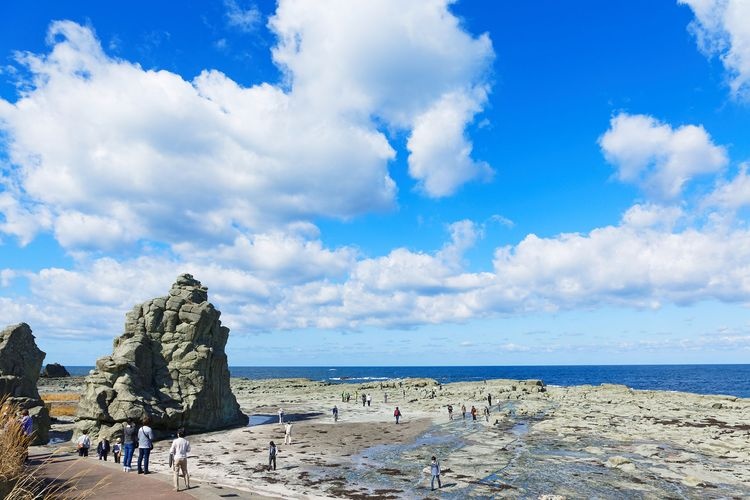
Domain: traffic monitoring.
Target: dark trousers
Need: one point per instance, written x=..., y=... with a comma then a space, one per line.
x=83, y=452
x=117, y=457
x=143, y=455
x=432, y=483
x=272, y=461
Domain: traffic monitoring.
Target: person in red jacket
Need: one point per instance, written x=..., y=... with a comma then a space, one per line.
x=397, y=414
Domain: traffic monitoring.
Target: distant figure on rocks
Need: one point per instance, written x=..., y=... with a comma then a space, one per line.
x=335, y=413
x=489, y=399
x=281, y=416
x=288, y=433
x=397, y=414
x=27, y=423
x=364, y=399
x=450, y=412
x=369, y=399
x=117, y=450
x=473, y=412
x=385, y=397
x=84, y=443
x=342, y=396
x=271, y=456
x=435, y=472
x=102, y=449
x=128, y=445
x=487, y=413
x=145, y=445
x=463, y=411
x=179, y=450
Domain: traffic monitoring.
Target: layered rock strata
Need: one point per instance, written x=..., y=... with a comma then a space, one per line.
x=169, y=364
x=20, y=362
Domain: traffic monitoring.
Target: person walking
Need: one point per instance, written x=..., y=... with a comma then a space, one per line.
x=335, y=412
x=435, y=472
x=84, y=443
x=128, y=445
x=463, y=411
x=364, y=399
x=450, y=412
x=288, y=433
x=487, y=413
x=145, y=445
x=473, y=412
x=489, y=399
x=397, y=414
x=271, y=456
x=179, y=450
x=369, y=400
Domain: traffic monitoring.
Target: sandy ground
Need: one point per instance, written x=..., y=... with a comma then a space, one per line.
x=579, y=442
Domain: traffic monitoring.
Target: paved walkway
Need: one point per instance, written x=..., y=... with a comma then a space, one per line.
x=90, y=478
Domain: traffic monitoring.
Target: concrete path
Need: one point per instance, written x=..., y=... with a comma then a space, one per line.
x=91, y=478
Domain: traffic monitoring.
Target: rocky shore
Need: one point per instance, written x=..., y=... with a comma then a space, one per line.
x=603, y=441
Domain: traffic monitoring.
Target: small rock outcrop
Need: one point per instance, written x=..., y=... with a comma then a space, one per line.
x=169, y=364
x=54, y=370
x=20, y=362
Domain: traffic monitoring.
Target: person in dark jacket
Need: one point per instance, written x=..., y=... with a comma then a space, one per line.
x=102, y=449
x=272, y=455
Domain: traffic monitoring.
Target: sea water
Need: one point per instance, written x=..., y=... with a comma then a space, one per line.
x=733, y=380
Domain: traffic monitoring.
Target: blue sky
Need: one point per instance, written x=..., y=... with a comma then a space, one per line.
x=384, y=182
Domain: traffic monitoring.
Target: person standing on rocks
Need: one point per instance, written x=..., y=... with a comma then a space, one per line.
x=364, y=399
x=145, y=445
x=435, y=472
x=369, y=400
x=335, y=413
x=385, y=397
x=473, y=412
x=272, y=455
x=288, y=433
x=128, y=446
x=463, y=411
x=397, y=414
x=180, y=448
x=450, y=412
x=489, y=399
x=84, y=443
x=281, y=416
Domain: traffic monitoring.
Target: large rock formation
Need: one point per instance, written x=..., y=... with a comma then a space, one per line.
x=169, y=364
x=20, y=362
x=54, y=370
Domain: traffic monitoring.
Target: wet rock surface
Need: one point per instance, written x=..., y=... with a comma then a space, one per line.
x=20, y=362
x=169, y=364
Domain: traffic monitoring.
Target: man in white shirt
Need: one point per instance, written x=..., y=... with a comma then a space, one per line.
x=180, y=448
x=288, y=433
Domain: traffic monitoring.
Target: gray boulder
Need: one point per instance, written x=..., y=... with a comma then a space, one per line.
x=54, y=370
x=169, y=364
x=20, y=362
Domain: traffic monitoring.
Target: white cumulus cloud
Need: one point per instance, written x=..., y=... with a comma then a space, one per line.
x=657, y=157
x=722, y=28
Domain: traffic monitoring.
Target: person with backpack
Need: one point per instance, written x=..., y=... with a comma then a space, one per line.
x=145, y=445
x=397, y=414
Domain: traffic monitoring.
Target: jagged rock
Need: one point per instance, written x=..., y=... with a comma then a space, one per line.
x=55, y=370
x=20, y=362
x=169, y=364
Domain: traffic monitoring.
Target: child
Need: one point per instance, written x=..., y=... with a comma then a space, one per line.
x=116, y=449
x=102, y=449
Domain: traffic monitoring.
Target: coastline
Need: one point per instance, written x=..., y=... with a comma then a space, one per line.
x=575, y=441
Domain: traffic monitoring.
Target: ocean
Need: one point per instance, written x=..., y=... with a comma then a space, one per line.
x=733, y=380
